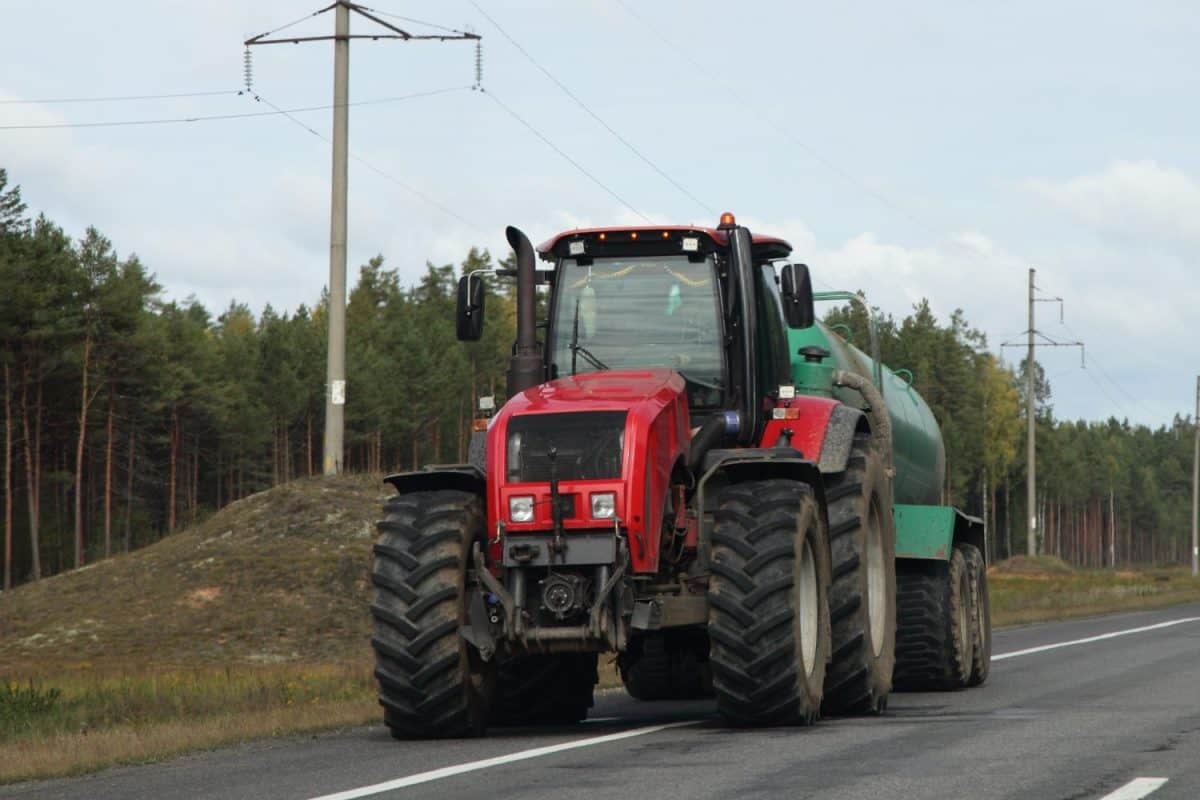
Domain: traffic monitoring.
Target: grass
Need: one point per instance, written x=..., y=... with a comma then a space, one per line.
x=76, y=724
x=254, y=623
x=1025, y=590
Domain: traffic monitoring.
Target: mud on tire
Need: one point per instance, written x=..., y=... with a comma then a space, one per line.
x=862, y=599
x=431, y=684
x=768, y=612
x=933, y=640
x=981, y=616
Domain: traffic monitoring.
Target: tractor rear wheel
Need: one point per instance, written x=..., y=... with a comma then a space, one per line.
x=933, y=639
x=431, y=683
x=862, y=599
x=668, y=665
x=981, y=616
x=545, y=689
x=768, y=617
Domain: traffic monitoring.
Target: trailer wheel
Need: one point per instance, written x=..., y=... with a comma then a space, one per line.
x=933, y=639
x=431, y=684
x=981, y=616
x=551, y=689
x=670, y=665
x=768, y=617
x=862, y=599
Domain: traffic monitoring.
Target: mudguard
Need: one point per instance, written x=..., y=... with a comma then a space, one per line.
x=751, y=463
x=823, y=433
x=930, y=532
x=461, y=477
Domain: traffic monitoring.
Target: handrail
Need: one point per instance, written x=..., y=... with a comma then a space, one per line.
x=872, y=328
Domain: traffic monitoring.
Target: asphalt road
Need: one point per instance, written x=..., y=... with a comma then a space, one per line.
x=1082, y=720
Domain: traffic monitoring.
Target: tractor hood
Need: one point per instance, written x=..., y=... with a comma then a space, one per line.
x=610, y=390
x=616, y=433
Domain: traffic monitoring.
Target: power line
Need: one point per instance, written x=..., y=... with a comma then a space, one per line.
x=562, y=153
x=212, y=117
x=629, y=145
x=415, y=21
x=117, y=98
x=406, y=187
x=738, y=95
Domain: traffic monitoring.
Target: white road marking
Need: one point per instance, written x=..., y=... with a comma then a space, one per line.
x=473, y=766
x=1090, y=639
x=1136, y=789
x=601, y=719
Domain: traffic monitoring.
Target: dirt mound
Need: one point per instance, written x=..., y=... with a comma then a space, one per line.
x=275, y=577
x=1031, y=566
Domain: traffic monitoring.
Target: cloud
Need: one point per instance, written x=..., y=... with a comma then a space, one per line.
x=1129, y=198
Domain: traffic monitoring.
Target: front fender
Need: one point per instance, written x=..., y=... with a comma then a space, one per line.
x=460, y=477
x=722, y=467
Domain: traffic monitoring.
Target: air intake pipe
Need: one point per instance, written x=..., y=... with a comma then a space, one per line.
x=525, y=368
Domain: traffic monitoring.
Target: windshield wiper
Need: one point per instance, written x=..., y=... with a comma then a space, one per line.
x=714, y=384
x=579, y=350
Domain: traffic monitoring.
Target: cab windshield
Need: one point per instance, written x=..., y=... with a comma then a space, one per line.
x=660, y=311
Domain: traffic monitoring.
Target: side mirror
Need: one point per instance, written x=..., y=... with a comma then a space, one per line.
x=469, y=314
x=797, y=293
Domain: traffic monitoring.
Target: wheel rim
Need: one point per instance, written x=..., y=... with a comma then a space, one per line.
x=809, y=599
x=876, y=579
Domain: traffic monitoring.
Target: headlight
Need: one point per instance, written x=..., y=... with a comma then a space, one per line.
x=520, y=508
x=604, y=505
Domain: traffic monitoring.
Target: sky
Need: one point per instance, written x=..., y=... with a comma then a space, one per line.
x=932, y=150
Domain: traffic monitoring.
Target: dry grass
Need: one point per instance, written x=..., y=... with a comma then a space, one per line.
x=1049, y=589
x=65, y=724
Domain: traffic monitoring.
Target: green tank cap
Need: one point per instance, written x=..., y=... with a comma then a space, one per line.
x=812, y=374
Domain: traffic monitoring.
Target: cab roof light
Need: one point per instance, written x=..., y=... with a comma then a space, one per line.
x=727, y=220
x=691, y=244
x=633, y=235
x=575, y=248
x=666, y=234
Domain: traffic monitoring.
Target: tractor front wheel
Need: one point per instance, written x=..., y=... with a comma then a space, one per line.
x=431, y=683
x=768, y=603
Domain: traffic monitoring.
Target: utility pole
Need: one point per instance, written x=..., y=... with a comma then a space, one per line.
x=1196, y=486
x=1031, y=406
x=335, y=355
x=1030, y=435
x=335, y=362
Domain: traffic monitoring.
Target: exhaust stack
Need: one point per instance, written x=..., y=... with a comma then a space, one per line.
x=525, y=367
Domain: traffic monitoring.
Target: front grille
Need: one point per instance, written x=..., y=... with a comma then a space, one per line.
x=587, y=446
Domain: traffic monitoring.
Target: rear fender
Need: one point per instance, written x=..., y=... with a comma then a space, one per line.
x=823, y=433
x=723, y=467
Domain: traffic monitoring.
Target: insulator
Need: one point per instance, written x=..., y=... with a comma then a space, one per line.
x=478, y=63
x=248, y=69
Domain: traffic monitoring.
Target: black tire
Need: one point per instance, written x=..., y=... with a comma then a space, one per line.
x=545, y=689
x=981, y=616
x=933, y=638
x=862, y=599
x=431, y=684
x=671, y=665
x=768, y=620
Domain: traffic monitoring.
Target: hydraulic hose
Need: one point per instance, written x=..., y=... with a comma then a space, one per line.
x=877, y=413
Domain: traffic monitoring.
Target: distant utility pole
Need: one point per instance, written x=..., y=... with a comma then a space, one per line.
x=1196, y=486
x=1030, y=408
x=335, y=388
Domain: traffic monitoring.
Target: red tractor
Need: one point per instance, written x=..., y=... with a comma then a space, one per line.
x=658, y=485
